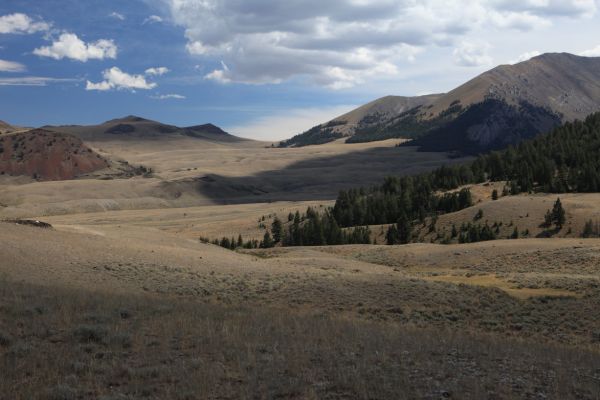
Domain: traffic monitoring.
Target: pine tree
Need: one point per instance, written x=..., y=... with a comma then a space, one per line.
x=479, y=215
x=589, y=230
x=515, y=234
x=547, y=219
x=277, y=229
x=392, y=236
x=558, y=214
x=267, y=241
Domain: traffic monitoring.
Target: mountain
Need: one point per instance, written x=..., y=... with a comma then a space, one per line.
x=137, y=127
x=499, y=107
x=362, y=119
x=47, y=155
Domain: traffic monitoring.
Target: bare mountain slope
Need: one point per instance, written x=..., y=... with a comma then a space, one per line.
x=137, y=127
x=363, y=118
x=499, y=107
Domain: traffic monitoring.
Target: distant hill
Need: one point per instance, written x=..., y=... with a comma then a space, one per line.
x=5, y=128
x=499, y=107
x=8, y=128
x=46, y=155
x=137, y=127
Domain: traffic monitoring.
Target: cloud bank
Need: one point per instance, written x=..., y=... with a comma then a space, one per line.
x=342, y=43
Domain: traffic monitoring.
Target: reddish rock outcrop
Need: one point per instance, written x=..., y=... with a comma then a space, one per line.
x=46, y=155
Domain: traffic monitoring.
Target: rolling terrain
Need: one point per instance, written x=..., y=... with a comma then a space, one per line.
x=120, y=298
x=195, y=172
x=500, y=107
x=133, y=127
x=131, y=303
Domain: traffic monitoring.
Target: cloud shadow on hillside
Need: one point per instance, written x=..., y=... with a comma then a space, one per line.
x=313, y=179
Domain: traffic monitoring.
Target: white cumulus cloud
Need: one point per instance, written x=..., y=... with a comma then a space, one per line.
x=595, y=52
x=11, y=66
x=70, y=46
x=114, y=78
x=525, y=56
x=21, y=23
x=157, y=71
x=472, y=54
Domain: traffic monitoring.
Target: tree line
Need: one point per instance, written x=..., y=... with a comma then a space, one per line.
x=565, y=160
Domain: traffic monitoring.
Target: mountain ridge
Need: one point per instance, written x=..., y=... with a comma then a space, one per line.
x=133, y=126
x=521, y=100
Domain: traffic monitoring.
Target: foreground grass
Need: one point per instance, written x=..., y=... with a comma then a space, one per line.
x=62, y=344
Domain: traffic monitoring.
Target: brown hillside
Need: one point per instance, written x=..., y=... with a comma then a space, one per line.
x=46, y=155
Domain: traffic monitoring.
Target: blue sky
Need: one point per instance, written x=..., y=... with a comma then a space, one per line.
x=265, y=69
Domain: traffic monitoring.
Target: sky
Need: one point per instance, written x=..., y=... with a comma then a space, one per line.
x=264, y=69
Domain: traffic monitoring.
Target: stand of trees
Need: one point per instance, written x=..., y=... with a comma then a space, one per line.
x=405, y=197
x=314, y=229
x=557, y=216
x=565, y=160
x=308, y=229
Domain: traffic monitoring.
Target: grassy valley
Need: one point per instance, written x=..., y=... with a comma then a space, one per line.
x=141, y=260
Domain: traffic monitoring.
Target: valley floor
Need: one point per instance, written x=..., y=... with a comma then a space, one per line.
x=121, y=300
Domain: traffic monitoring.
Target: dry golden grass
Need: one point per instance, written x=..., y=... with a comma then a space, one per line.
x=191, y=172
x=524, y=212
x=495, y=282
x=70, y=344
x=380, y=283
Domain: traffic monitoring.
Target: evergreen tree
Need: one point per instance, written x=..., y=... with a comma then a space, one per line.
x=267, y=241
x=225, y=242
x=454, y=232
x=277, y=229
x=515, y=234
x=479, y=215
x=558, y=214
x=547, y=219
x=590, y=229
